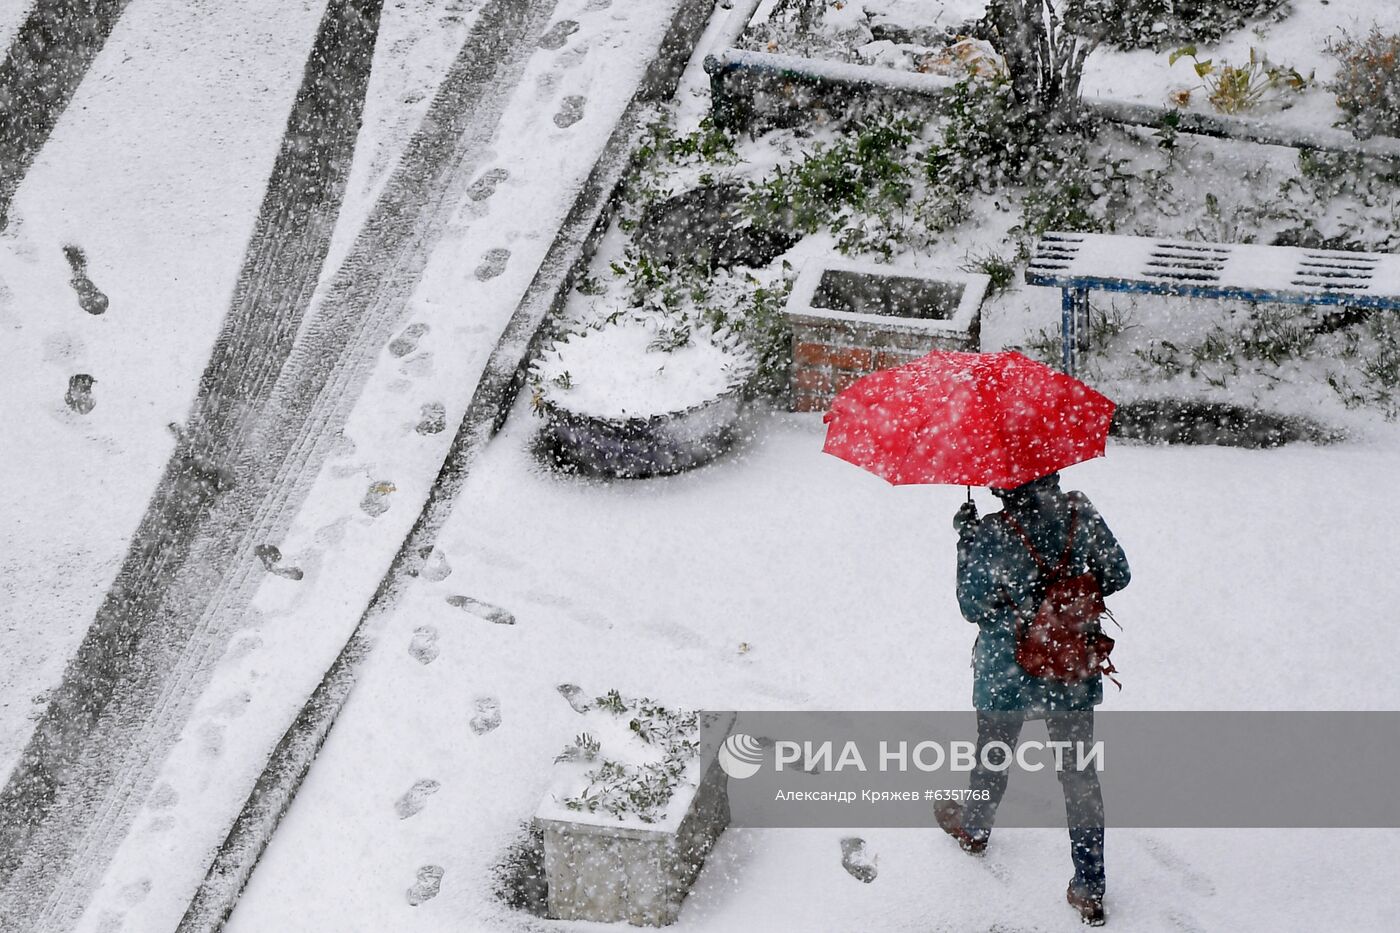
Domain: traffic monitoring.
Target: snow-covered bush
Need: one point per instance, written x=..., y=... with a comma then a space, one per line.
x=982, y=147
x=632, y=368
x=1368, y=83
x=632, y=769
x=1156, y=24
x=862, y=172
x=1044, y=57
x=1374, y=351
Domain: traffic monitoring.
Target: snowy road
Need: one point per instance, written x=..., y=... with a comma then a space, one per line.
x=518, y=102
x=249, y=454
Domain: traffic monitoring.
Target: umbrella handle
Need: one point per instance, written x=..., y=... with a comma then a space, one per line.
x=969, y=493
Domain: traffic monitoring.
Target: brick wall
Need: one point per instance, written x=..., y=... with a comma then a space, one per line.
x=828, y=355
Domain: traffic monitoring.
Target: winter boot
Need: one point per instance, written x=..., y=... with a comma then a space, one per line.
x=949, y=816
x=1090, y=908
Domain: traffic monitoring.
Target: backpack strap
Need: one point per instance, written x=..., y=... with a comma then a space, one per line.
x=1059, y=569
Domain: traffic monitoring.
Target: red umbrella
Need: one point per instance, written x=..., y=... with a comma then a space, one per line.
x=967, y=419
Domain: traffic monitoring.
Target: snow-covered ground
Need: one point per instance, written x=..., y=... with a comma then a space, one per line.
x=156, y=171
x=473, y=283
x=775, y=578
x=1297, y=37
x=1298, y=41
x=780, y=578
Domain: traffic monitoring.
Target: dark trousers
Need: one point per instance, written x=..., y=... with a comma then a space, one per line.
x=1083, y=798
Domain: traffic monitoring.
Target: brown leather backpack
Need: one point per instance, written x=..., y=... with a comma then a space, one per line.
x=1064, y=641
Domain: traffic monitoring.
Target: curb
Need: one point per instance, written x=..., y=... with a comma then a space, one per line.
x=291, y=759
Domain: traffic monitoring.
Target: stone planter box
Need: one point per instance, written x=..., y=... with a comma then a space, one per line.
x=850, y=319
x=598, y=868
x=633, y=448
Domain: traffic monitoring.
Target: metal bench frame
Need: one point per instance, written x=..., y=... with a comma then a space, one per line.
x=1077, y=263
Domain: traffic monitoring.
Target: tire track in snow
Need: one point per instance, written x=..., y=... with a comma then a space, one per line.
x=71, y=794
x=46, y=61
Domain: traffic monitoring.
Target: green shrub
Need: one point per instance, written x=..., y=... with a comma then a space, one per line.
x=863, y=172
x=1000, y=273
x=981, y=147
x=757, y=319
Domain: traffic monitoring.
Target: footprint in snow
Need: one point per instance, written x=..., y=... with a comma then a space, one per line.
x=1184, y=922
x=163, y=797
x=486, y=185
x=546, y=84
x=857, y=862
x=376, y=500
x=558, y=34
x=427, y=886
x=416, y=797
x=211, y=740
x=342, y=445
x=1164, y=855
x=482, y=610
x=90, y=298
x=331, y=533
x=424, y=647
x=570, y=111
x=234, y=705
x=418, y=366
x=434, y=567
x=432, y=418
x=594, y=5
x=271, y=557
x=79, y=395
x=488, y=715
x=243, y=647
x=578, y=700
x=407, y=340
x=134, y=893
x=493, y=263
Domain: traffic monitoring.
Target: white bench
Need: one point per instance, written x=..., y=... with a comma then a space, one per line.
x=1077, y=263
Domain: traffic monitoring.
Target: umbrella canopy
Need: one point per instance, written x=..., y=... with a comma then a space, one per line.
x=967, y=419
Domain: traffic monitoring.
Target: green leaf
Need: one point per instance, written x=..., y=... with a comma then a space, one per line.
x=1181, y=53
x=1204, y=68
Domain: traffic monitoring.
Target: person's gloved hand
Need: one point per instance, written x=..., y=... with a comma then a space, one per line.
x=965, y=518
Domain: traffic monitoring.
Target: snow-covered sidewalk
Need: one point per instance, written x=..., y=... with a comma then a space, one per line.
x=784, y=579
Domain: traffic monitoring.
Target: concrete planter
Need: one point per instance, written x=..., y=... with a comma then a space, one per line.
x=602, y=869
x=850, y=319
x=633, y=448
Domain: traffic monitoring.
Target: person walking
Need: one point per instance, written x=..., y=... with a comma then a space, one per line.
x=1004, y=560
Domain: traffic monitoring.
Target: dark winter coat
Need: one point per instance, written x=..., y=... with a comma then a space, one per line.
x=996, y=574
